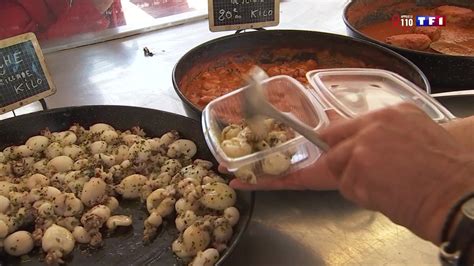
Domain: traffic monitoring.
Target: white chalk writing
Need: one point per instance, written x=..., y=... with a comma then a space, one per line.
x=227, y=14
x=261, y=13
x=243, y=2
x=17, y=76
x=11, y=59
x=27, y=85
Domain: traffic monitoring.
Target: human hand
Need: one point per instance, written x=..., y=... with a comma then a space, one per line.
x=396, y=160
x=401, y=163
x=314, y=177
x=462, y=130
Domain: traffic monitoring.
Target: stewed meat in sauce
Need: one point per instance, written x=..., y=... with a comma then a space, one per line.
x=207, y=81
x=456, y=37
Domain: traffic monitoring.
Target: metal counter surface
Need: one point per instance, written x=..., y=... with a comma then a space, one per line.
x=288, y=228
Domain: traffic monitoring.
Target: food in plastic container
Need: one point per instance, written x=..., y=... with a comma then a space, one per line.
x=277, y=152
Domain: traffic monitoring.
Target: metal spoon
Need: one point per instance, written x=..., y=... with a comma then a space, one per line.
x=255, y=105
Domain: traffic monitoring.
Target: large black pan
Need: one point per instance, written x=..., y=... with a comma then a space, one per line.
x=123, y=248
x=245, y=43
x=445, y=72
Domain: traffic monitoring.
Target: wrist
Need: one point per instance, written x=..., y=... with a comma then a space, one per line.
x=451, y=224
x=432, y=216
x=461, y=130
x=458, y=233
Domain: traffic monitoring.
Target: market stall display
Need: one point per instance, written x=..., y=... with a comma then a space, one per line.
x=290, y=228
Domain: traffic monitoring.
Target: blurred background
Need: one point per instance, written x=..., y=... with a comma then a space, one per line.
x=62, y=24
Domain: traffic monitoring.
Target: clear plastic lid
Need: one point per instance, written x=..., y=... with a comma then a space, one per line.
x=355, y=91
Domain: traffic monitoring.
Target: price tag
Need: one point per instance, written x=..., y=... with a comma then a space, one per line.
x=23, y=74
x=243, y=14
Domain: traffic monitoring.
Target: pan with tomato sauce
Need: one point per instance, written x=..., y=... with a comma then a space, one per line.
x=217, y=67
x=458, y=31
x=445, y=53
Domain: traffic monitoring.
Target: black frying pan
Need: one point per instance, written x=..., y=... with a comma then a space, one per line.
x=445, y=72
x=124, y=247
x=210, y=53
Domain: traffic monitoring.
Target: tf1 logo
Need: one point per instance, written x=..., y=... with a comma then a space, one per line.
x=419, y=21
x=424, y=21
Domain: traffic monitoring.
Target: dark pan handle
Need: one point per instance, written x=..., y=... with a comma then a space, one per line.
x=243, y=30
x=431, y=3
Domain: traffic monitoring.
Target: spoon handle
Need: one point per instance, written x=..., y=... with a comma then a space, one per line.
x=256, y=77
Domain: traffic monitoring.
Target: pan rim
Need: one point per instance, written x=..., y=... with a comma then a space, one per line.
x=64, y=108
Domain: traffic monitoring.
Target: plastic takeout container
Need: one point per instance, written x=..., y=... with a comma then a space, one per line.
x=287, y=95
x=350, y=92
x=354, y=91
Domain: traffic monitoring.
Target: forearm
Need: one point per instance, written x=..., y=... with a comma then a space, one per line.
x=463, y=131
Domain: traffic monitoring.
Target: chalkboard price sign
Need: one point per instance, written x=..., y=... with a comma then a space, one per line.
x=23, y=74
x=243, y=14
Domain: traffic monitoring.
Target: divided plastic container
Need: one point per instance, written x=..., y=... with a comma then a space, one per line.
x=349, y=91
x=354, y=91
